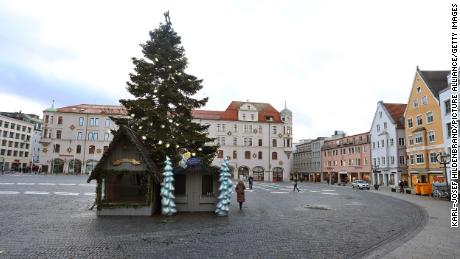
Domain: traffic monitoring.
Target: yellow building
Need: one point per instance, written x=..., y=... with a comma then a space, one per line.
x=424, y=135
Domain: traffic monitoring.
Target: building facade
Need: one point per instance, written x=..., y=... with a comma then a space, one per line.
x=388, y=145
x=444, y=101
x=75, y=137
x=18, y=133
x=255, y=137
x=424, y=131
x=346, y=158
x=307, y=160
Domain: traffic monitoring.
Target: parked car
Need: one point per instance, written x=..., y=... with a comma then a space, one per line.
x=360, y=184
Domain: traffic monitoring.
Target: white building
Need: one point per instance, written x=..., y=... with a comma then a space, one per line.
x=388, y=144
x=255, y=137
x=18, y=133
x=75, y=137
x=444, y=102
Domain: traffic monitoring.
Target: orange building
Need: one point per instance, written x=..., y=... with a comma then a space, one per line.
x=423, y=130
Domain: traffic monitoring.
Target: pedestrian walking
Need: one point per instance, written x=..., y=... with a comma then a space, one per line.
x=401, y=186
x=295, y=185
x=250, y=179
x=240, y=193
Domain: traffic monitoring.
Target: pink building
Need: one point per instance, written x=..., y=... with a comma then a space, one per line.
x=347, y=158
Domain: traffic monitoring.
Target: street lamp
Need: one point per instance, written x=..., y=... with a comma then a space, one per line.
x=444, y=159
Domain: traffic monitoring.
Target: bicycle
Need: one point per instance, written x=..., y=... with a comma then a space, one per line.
x=441, y=194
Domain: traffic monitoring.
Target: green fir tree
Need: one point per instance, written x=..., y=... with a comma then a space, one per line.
x=161, y=111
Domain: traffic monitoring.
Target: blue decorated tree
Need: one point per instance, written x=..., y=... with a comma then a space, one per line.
x=168, y=206
x=225, y=190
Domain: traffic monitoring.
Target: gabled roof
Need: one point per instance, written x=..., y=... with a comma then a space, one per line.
x=135, y=140
x=94, y=109
x=435, y=80
x=231, y=113
x=396, y=111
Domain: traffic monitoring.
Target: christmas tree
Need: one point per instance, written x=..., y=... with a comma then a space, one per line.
x=225, y=190
x=162, y=109
x=168, y=206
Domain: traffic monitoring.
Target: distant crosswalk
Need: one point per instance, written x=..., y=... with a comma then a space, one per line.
x=283, y=188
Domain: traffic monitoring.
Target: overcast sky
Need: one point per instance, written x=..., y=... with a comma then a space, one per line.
x=331, y=61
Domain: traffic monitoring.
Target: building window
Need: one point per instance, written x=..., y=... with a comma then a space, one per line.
x=107, y=123
x=378, y=127
x=6, y=124
x=220, y=153
x=58, y=134
x=12, y=126
x=81, y=121
x=180, y=184
x=392, y=160
x=235, y=154
x=274, y=142
x=418, y=138
x=380, y=114
x=447, y=106
x=409, y=123
x=424, y=100
x=235, y=141
x=90, y=136
x=206, y=185
x=252, y=117
x=106, y=136
x=429, y=117
x=431, y=136
x=420, y=159
x=91, y=121
x=260, y=142
x=411, y=140
x=260, y=155
x=401, y=160
x=248, y=142
x=418, y=89
x=373, y=145
x=247, y=154
x=392, y=142
x=274, y=156
x=274, y=129
x=433, y=158
x=383, y=160
x=235, y=128
x=78, y=149
x=415, y=103
x=91, y=149
x=57, y=148
x=448, y=126
x=79, y=135
x=401, y=141
x=244, y=116
x=411, y=157
x=96, y=122
x=419, y=120
x=60, y=120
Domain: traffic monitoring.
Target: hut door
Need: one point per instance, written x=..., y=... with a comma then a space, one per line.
x=193, y=191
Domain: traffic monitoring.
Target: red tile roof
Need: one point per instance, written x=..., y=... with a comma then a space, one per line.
x=94, y=109
x=231, y=113
x=396, y=111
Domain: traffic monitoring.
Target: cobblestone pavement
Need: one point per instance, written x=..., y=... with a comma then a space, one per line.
x=436, y=240
x=319, y=222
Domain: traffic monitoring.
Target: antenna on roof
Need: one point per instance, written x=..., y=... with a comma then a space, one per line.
x=52, y=105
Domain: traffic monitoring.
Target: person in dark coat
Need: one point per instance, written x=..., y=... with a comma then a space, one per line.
x=250, y=180
x=401, y=186
x=240, y=193
x=295, y=185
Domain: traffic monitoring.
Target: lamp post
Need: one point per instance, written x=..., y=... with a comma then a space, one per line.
x=444, y=159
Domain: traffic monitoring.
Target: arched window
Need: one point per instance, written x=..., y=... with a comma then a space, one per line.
x=274, y=156
x=247, y=154
x=258, y=173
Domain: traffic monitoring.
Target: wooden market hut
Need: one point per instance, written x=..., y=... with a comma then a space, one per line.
x=196, y=187
x=128, y=181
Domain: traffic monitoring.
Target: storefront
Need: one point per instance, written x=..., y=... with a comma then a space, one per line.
x=258, y=173
x=243, y=172
x=277, y=174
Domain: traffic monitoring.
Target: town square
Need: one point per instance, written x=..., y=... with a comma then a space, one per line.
x=231, y=129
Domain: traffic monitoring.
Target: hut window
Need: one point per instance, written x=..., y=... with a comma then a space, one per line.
x=179, y=184
x=206, y=185
x=131, y=188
